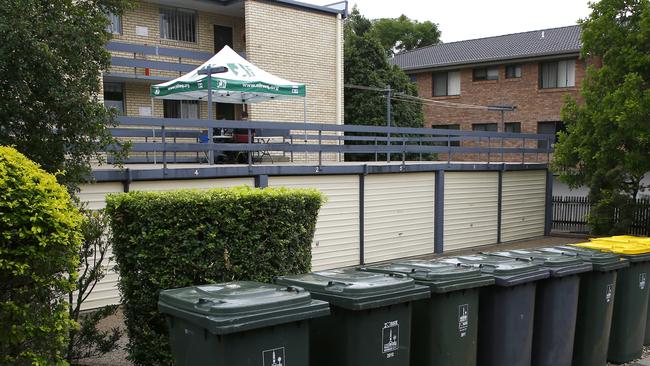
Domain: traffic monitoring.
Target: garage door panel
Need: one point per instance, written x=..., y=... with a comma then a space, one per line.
x=398, y=212
x=523, y=204
x=336, y=240
x=471, y=205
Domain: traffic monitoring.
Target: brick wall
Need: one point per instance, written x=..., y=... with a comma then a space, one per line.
x=533, y=104
x=298, y=45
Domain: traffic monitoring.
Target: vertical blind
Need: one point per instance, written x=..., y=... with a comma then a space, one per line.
x=178, y=24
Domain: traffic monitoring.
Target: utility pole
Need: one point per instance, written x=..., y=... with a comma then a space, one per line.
x=388, y=119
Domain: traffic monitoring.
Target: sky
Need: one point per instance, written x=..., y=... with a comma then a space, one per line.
x=468, y=19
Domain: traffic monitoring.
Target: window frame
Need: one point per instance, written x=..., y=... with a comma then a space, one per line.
x=446, y=73
x=506, y=124
x=122, y=110
x=451, y=126
x=112, y=20
x=487, y=73
x=558, y=126
x=485, y=124
x=543, y=66
x=516, y=67
x=164, y=29
x=179, y=107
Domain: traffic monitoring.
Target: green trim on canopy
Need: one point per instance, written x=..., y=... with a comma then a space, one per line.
x=229, y=85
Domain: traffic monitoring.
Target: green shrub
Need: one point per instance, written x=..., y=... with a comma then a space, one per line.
x=39, y=241
x=184, y=238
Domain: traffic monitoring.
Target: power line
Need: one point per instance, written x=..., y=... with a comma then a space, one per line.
x=402, y=97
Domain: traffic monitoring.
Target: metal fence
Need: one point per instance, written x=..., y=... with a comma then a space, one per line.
x=164, y=138
x=570, y=214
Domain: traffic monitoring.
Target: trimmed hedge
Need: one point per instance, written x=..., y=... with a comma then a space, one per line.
x=39, y=241
x=176, y=239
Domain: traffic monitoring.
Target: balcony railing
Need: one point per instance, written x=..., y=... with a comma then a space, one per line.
x=163, y=140
x=186, y=60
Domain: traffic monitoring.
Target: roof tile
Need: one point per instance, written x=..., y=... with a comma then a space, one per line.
x=511, y=46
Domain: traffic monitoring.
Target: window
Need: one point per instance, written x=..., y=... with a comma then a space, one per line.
x=492, y=127
x=548, y=128
x=513, y=127
x=181, y=109
x=486, y=73
x=446, y=83
x=557, y=74
x=114, y=97
x=448, y=127
x=115, y=24
x=513, y=71
x=178, y=24
x=414, y=78
x=222, y=37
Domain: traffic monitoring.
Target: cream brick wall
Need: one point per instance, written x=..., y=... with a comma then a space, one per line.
x=298, y=45
x=147, y=15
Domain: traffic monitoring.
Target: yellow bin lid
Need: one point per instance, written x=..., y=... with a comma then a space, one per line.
x=623, y=244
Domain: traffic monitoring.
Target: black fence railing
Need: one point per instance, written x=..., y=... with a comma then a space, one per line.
x=570, y=214
x=168, y=140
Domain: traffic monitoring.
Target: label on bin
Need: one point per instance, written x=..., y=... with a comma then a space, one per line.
x=463, y=319
x=273, y=357
x=610, y=292
x=390, y=338
x=642, y=281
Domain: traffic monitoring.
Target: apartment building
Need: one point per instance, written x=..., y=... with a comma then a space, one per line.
x=158, y=40
x=522, y=77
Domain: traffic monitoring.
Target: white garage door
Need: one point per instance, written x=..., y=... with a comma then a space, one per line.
x=471, y=205
x=523, y=204
x=398, y=215
x=336, y=241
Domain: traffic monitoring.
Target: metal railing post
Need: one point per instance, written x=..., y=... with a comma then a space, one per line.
x=489, y=148
x=164, y=143
x=320, y=147
x=404, y=151
x=502, y=149
x=420, y=143
x=250, y=152
x=291, y=153
x=376, y=152
x=523, y=152
x=448, y=148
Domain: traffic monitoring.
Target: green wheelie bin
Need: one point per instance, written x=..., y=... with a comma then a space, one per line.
x=506, y=313
x=643, y=241
x=370, y=321
x=595, y=303
x=630, y=302
x=240, y=323
x=556, y=304
x=445, y=327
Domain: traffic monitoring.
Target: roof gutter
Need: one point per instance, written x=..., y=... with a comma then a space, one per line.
x=318, y=8
x=487, y=62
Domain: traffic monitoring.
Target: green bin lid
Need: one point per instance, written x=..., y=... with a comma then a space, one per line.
x=601, y=261
x=237, y=306
x=358, y=290
x=439, y=277
x=559, y=265
x=506, y=271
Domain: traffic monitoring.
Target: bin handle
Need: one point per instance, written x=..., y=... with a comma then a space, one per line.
x=203, y=301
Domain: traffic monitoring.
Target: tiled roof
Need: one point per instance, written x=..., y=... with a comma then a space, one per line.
x=544, y=42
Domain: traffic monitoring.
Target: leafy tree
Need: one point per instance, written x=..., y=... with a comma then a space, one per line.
x=404, y=34
x=39, y=239
x=87, y=340
x=366, y=64
x=607, y=143
x=51, y=57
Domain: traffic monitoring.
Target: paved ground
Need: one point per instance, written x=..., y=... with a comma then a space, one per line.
x=118, y=358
